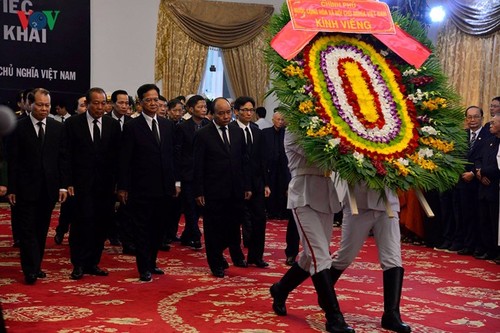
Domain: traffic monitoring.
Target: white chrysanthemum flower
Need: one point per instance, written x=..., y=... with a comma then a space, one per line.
x=425, y=152
x=358, y=156
x=403, y=161
x=334, y=142
x=409, y=72
x=429, y=130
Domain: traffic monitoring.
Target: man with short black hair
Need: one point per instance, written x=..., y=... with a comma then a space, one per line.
x=93, y=145
x=37, y=166
x=147, y=178
x=221, y=182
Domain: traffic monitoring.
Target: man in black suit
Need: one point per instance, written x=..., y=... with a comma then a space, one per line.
x=277, y=164
x=24, y=110
x=488, y=173
x=93, y=145
x=466, y=203
x=120, y=228
x=197, y=108
x=147, y=179
x=255, y=208
x=37, y=163
x=221, y=182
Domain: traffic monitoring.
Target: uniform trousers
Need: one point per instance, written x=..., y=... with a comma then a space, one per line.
x=315, y=231
x=355, y=230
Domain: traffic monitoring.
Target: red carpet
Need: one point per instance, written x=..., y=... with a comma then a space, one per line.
x=442, y=293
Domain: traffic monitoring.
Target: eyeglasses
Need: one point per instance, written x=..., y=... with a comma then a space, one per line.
x=473, y=117
x=150, y=100
x=247, y=110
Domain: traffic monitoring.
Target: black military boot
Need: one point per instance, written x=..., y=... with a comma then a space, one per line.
x=280, y=290
x=393, y=283
x=323, y=284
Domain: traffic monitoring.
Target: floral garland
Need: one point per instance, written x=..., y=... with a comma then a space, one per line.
x=360, y=110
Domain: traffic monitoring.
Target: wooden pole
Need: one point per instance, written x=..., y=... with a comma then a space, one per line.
x=423, y=202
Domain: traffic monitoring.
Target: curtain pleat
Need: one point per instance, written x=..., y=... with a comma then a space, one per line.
x=186, y=28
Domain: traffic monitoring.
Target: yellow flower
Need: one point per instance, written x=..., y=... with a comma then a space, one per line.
x=438, y=144
x=434, y=104
x=306, y=106
x=401, y=169
x=423, y=163
x=292, y=70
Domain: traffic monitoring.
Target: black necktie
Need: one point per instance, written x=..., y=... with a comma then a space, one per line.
x=224, y=137
x=155, y=132
x=249, y=139
x=62, y=119
x=97, y=133
x=41, y=133
x=473, y=137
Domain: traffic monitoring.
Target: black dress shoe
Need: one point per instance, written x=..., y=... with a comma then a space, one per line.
x=465, y=252
x=484, y=256
x=196, y=245
x=259, y=263
x=218, y=272
x=58, y=238
x=77, y=273
x=240, y=263
x=165, y=246
x=290, y=261
x=95, y=271
x=30, y=278
x=157, y=271
x=41, y=275
x=146, y=276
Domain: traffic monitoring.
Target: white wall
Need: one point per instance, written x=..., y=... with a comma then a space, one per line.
x=123, y=39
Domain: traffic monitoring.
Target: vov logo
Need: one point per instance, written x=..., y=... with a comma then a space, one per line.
x=33, y=23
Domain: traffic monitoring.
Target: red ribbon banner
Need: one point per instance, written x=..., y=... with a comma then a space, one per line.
x=313, y=14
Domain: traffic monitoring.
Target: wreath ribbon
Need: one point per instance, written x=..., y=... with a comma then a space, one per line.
x=290, y=41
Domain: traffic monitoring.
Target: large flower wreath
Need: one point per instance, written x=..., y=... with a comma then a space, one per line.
x=360, y=110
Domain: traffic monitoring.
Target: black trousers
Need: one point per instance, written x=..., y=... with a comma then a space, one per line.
x=93, y=213
x=221, y=227
x=256, y=207
x=191, y=214
x=34, y=221
x=148, y=216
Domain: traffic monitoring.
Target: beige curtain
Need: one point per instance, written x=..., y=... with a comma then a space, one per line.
x=187, y=27
x=180, y=61
x=472, y=64
x=246, y=68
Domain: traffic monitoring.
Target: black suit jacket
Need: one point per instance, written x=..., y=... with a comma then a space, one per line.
x=92, y=168
x=146, y=168
x=258, y=159
x=489, y=169
x=32, y=166
x=474, y=153
x=184, y=136
x=277, y=161
x=220, y=174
